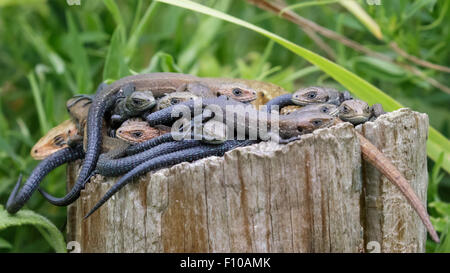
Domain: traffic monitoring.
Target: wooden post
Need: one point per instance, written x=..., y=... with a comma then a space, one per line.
x=312, y=195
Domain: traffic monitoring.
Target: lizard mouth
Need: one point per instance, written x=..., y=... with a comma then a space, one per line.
x=247, y=100
x=303, y=102
x=357, y=119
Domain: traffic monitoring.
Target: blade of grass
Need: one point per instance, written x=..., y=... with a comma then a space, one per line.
x=134, y=36
x=115, y=66
x=307, y=4
x=26, y=217
x=363, y=17
x=38, y=102
x=436, y=144
x=111, y=5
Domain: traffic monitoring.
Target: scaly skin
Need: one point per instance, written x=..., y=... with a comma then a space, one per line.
x=55, y=140
x=265, y=91
x=133, y=105
x=357, y=111
x=17, y=200
x=316, y=94
x=109, y=165
x=252, y=118
x=106, y=97
x=174, y=98
x=170, y=159
x=136, y=131
x=354, y=111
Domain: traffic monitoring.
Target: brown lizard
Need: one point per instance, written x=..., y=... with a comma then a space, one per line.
x=137, y=130
x=55, y=140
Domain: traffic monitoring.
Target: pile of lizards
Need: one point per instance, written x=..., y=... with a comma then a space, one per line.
x=133, y=126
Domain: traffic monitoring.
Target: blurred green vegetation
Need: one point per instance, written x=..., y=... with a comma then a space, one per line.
x=50, y=50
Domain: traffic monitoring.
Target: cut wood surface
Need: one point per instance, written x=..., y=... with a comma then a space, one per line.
x=312, y=195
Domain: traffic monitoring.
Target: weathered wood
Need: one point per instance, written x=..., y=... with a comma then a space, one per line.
x=307, y=196
x=391, y=221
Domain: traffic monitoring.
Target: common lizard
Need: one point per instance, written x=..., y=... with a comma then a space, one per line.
x=17, y=199
x=106, y=97
x=54, y=140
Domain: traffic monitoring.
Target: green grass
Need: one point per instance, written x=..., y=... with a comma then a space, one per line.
x=50, y=51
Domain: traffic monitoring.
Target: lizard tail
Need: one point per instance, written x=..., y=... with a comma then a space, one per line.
x=280, y=102
x=375, y=157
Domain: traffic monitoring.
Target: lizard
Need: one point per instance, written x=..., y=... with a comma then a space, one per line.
x=64, y=134
x=137, y=130
x=174, y=98
x=247, y=119
x=309, y=95
x=170, y=159
x=214, y=132
x=322, y=107
x=383, y=164
x=54, y=140
x=305, y=123
x=133, y=105
x=17, y=199
x=357, y=111
x=107, y=95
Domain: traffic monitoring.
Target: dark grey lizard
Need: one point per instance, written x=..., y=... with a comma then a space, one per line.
x=185, y=155
x=17, y=199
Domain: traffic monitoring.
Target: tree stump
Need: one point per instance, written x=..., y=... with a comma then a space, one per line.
x=312, y=195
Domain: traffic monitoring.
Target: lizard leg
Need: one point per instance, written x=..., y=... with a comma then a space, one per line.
x=75, y=99
x=377, y=110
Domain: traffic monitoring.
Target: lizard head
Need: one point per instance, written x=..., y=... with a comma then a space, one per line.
x=312, y=94
x=140, y=101
x=174, y=98
x=54, y=140
x=237, y=91
x=354, y=111
x=137, y=130
x=299, y=123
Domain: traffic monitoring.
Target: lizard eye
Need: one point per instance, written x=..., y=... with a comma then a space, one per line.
x=300, y=129
x=237, y=92
x=58, y=140
x=136, y=101
x=317, y=122
x=325, y=110
x=137, y=134
x=174, y=101
x=345, y=109
x=311, y=95
x=367, y=109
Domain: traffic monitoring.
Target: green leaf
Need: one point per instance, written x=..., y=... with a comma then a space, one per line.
x=115, y=12
x=162, y=62
x=115, y=66
x=78, y=55
x=436, y=144
x=441, y=207
x=416, y=6
x=363, y=17
x=38, y=102
x=5, y=244
x=139, y=29
x=202, y=38
x=26, y=217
